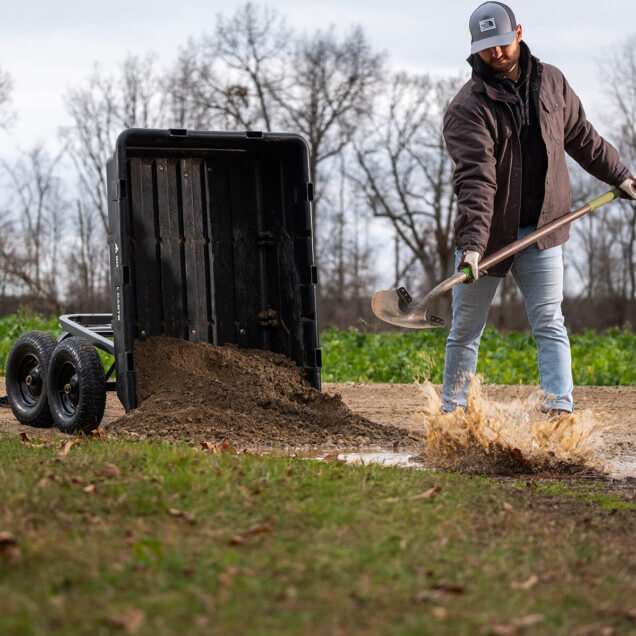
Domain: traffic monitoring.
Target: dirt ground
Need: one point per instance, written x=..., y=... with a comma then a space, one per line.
x=403, y=405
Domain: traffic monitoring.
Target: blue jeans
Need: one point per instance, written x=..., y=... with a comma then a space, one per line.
x=539, y=276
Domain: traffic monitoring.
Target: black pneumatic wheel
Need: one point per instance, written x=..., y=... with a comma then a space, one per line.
x=27, y=378
x=77, y=386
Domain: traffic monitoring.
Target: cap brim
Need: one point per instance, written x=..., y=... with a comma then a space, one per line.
x=496, y=40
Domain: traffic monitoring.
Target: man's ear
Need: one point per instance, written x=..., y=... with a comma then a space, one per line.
x=519, y=33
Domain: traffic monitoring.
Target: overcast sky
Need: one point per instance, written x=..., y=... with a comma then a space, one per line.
x=49, y=46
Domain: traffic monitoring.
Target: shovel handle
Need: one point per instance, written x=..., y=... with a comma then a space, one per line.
x=533, y=237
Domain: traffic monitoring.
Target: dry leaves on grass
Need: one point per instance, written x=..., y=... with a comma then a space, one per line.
x=38, y=442
x=440, y=613
x=186, y=516
x=431, y=493
x=439, y=594
x=518, y=625
x=261, y=528
x=66, y=446
x=48, y=477
x=109, y=471
x=130, y=621
x=525, y=585
x=9, y=548
x=223, y=447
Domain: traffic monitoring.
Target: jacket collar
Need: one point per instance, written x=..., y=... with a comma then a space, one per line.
x=485, y=80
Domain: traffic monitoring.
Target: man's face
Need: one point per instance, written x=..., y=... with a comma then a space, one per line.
x=503, y=59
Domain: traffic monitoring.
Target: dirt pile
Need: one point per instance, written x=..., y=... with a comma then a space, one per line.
x=249, y=398
x=509, y=437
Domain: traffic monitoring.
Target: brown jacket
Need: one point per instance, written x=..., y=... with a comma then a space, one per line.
x=482, y=137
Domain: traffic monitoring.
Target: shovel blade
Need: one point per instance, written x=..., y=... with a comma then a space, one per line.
x=394, y=307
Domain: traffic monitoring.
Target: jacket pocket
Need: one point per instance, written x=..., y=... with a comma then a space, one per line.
x=554, y=114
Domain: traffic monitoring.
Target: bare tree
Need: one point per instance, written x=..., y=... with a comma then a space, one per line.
x=227, y=77
x=37, y=205
x=6, y=87
x=100, y=110
x=346, y=272
x=88, y=261
x=329, y=93
x=406, y=171
x=618, y=71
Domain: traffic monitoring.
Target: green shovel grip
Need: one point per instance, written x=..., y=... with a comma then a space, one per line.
x=468, y=272
x=615, y=193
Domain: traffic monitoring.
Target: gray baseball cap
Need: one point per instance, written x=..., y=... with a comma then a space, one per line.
x=491, y=24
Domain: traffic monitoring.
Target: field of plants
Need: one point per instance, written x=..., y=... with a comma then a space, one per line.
x=601, y=359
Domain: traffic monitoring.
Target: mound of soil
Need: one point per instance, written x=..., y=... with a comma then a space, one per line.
x=249, y=398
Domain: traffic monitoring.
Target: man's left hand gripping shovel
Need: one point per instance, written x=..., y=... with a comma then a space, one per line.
x=396, y=306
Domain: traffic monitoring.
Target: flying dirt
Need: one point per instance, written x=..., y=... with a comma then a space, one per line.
x=507, y=437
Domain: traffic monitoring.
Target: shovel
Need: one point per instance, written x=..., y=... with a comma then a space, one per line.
x=396, y=306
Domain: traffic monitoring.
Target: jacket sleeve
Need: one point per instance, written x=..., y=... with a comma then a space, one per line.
x=471, y=146
x=586, y=146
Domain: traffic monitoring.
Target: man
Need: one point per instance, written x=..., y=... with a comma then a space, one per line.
x=507, y=131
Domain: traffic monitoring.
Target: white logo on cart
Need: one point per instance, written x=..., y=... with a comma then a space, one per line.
x=487, y=25
x=116, y=250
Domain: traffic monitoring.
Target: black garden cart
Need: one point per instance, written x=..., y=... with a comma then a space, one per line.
x=210, y=238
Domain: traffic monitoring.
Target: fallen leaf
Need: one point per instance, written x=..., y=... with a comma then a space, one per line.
x=440, y=612
x=47, y=478
x=507, y=506
x=436, y=597
x=449, y=588
x=503, y=630
x=260, y=528
x=24, y=438
x=530, y=620
x=93, y=520
x=525, y=585
x=66, y=447
x=430, y=493
x=186, y=516
x=131, y=621
x=9, y=548
x=90, y=488
x=391, y=500
x=98, y=433
x=110, y=471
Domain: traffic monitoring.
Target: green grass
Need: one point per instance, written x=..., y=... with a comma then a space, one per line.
x=265, y=545
x=510, y=358
x=358, y=356
x=14, y=325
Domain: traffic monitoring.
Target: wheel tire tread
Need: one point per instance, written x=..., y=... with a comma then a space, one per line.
x=43, y=344
x=91, y=372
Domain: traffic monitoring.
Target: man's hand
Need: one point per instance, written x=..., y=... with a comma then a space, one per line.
x=629, y=188
x=470, y=259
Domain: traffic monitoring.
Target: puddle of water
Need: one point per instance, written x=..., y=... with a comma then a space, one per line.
x=385, y=458
x=398, y=459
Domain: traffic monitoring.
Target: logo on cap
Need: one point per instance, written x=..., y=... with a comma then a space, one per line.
x=487, y=25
